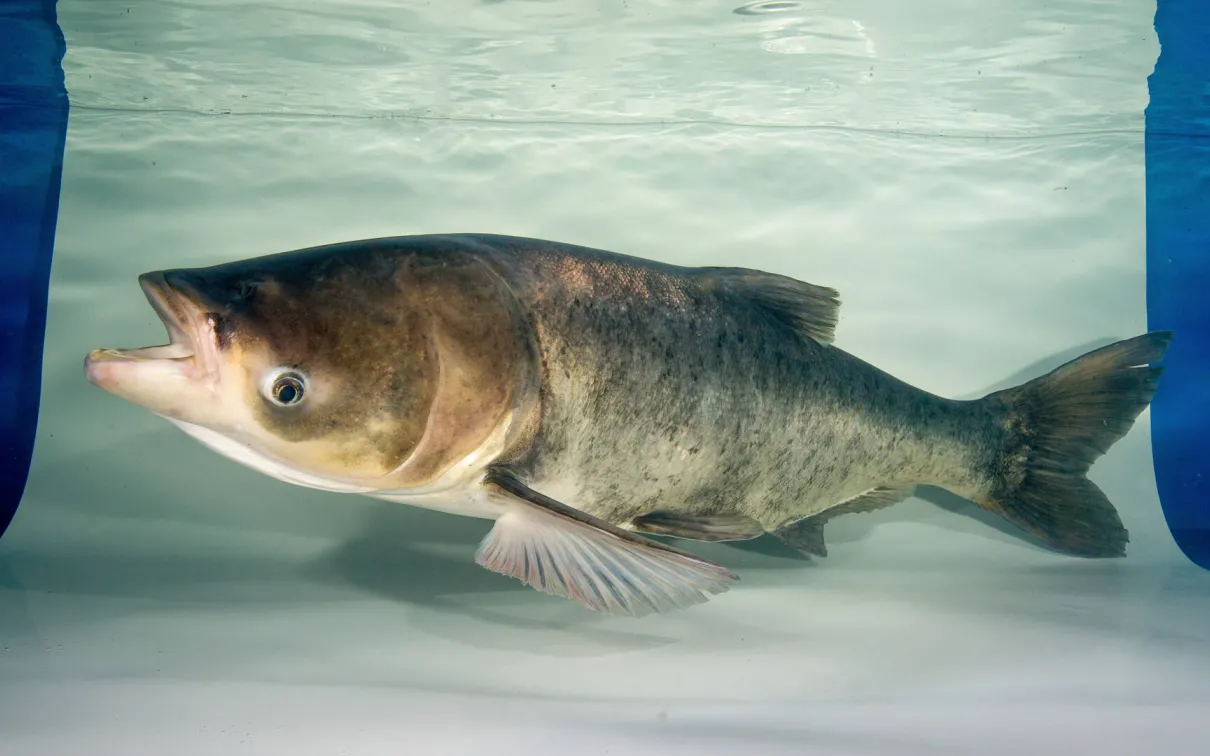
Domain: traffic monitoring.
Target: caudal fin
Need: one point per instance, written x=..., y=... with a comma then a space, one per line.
x=1058, y=425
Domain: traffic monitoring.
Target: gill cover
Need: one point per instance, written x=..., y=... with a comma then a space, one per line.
x=485, y=404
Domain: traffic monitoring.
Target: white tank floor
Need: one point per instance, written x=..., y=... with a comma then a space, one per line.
x=927, y=631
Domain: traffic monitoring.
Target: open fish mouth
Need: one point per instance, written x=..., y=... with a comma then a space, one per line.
x=190, y=334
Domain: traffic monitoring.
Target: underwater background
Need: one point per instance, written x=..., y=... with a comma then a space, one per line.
x=971, y=177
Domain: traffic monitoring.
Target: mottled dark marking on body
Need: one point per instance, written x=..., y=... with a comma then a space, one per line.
x=661, y=392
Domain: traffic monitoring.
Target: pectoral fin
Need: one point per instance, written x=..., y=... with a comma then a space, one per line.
x=709, y=528
x=564, y=552
x=806, y=534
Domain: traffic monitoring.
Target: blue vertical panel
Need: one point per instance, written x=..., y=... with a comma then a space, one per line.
x=33, y=126
x=1178, y=267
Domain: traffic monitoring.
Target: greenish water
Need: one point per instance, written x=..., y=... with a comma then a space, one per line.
x=969, y=177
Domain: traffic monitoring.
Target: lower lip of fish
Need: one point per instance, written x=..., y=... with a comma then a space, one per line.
x=174, y=351
x=106, y=366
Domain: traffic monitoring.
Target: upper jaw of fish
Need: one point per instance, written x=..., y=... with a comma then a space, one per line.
x=191, y=349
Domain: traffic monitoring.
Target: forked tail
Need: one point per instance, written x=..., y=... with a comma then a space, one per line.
x=1057, y=426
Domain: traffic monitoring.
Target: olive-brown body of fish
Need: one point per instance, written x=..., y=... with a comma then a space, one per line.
x=574, y=394
x=712, y=393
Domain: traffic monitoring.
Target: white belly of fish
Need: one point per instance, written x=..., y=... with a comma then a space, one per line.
x=456, y=492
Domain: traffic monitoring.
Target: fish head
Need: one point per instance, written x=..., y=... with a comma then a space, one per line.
x=357, y=368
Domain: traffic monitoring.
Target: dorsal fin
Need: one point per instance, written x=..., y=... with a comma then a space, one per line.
x=809, y=309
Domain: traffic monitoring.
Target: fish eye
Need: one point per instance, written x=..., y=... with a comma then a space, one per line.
x=288, y=389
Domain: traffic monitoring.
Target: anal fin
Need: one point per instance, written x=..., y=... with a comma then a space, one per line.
x=806, y=534
x=698, y=528
x=564, y=552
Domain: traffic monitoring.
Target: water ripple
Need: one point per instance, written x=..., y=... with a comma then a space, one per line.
x=768, y=6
